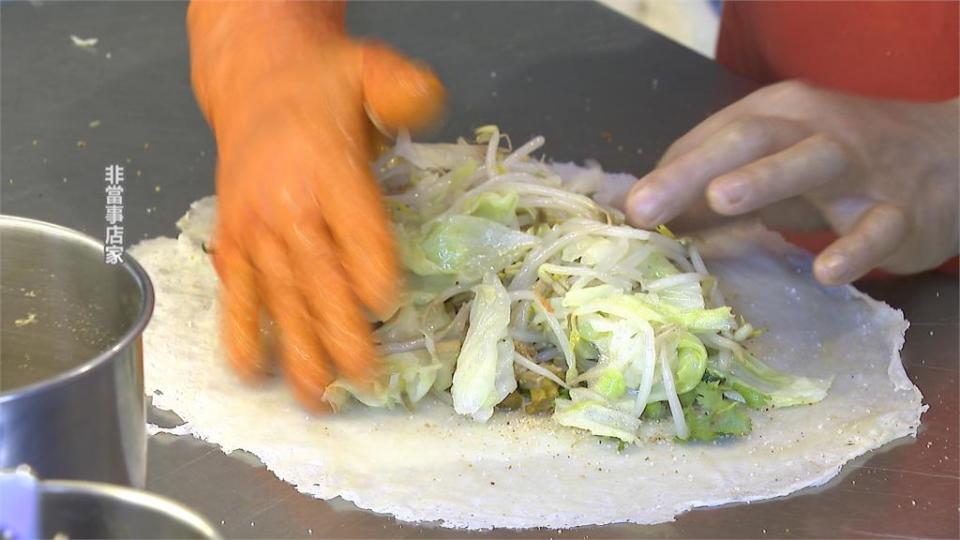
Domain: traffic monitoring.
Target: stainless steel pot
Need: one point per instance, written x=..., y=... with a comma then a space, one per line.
x=71, y=366
x=30, y=508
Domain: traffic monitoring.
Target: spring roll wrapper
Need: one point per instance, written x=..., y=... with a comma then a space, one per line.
x=520, y=471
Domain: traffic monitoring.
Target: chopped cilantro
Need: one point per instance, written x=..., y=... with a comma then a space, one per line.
x=711, y=415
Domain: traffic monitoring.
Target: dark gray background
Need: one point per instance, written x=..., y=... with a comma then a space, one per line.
x=569, y=71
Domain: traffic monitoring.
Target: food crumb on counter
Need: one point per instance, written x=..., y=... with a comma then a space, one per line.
x=94, y=124
x=81, y=143
x=31, y=318
x=83, y=43
x=157, y=188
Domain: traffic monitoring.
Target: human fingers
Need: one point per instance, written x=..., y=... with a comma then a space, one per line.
x=667, y=191
x=304, y=361
x=353, y=210
x=874, y=237
x=240, y=318
x=790, y=99
x=338, y=319
x=807, y=165
x=397, y=92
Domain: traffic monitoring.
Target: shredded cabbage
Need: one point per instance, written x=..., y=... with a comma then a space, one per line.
x=484, y=373
x=521, y=288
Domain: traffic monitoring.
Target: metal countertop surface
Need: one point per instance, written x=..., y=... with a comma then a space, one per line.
x=594, y=83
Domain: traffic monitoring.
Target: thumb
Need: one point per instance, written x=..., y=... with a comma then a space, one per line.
x=399, y=93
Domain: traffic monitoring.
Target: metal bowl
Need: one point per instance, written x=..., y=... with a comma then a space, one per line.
x=31, y=508
x=71, y=366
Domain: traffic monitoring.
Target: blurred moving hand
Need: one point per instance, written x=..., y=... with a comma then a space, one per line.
x=301, y=230
x=882, y=174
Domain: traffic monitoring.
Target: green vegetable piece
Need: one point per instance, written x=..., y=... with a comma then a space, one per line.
x=691, y=363
x=656, y=410
x=542, y=390
x=512, y=402
x=471, y=246
x=597, y=418
x=713, y=416
x=733, y=420
x=709, y=396
x=499, y=207
x=611, y=384
x=753, y=397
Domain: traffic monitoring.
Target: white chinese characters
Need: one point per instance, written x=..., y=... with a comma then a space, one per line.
x=113, y=240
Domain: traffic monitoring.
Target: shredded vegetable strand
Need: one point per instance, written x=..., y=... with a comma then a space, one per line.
x=493, y=146
x=676, y=409
x=605, y=265
x=697, y=260
x=538, y=369
x=562, y=277
x=521, y=153
x=675, y=280
x=649, y=368
x=554, y=324
x=526, y=275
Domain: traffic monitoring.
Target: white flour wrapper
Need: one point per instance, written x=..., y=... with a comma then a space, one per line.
x=520, y=471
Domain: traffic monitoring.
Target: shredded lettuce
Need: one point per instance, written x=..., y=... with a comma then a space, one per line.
x=598, y=418
x=407, y=378
x=469, y=246
x=484, y=372
x=522, y=293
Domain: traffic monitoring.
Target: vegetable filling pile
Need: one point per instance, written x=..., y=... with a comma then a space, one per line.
x=522, y=292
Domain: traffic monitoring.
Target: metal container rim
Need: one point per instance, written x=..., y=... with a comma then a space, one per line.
x=142, y=280
x=140, y=498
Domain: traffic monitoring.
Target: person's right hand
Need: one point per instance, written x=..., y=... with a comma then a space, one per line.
x=301, y=229
x=882, y=174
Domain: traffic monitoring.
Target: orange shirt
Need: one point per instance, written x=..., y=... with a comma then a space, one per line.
x=899, y=50
x=896, y=50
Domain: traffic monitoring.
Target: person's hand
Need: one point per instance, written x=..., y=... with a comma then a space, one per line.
x=301, y=231
x=882, y=174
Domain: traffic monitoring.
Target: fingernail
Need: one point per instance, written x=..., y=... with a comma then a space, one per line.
x=645, y=207
x=733, y=192
x=833, y=267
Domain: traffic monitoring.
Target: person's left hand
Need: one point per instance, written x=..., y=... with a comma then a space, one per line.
x=882, y=174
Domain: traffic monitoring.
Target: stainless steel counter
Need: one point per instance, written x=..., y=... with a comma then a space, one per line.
x=595, y=84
